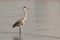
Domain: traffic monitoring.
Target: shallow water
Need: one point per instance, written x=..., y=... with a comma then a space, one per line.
x=43, y=21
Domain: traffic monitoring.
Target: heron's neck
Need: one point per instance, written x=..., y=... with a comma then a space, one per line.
x=25, y=11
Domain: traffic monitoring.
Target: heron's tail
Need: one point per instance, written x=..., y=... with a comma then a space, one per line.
x=14, y=25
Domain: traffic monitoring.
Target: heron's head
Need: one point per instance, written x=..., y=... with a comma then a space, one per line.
x=25, y=8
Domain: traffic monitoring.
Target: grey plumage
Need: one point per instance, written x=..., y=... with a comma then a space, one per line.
x=16, y=24
x=22, y=21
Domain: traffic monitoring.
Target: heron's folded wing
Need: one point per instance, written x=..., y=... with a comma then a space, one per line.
x=16, y=24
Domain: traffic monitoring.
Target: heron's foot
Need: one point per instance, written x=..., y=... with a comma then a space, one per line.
x=20, y=38
x=17, y=38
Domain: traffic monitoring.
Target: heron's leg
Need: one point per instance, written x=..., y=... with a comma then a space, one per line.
x=19, y=32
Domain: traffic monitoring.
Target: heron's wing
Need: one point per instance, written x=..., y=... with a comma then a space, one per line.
x=16, y=24
x=19, y=22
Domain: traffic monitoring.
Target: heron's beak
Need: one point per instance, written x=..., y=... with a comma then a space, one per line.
x=28, y=8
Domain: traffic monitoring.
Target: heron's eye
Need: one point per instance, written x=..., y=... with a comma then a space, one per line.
x=24, y=7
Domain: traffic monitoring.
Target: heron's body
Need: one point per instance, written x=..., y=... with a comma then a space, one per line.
x=22, y=20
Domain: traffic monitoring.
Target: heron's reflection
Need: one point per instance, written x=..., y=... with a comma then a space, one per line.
x=17, y=38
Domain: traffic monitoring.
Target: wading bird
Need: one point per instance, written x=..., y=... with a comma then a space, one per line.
x=21, y=21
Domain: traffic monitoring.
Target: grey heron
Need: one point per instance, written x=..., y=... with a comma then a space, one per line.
x=21, y=21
